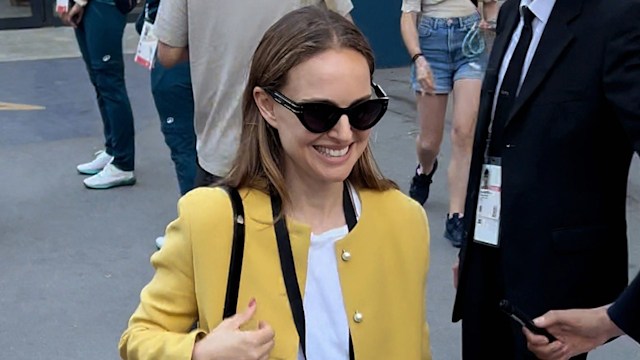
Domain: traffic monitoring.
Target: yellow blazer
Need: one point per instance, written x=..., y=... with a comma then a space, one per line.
x=384, y=279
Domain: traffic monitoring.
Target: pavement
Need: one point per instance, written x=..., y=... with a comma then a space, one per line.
x=73, y=261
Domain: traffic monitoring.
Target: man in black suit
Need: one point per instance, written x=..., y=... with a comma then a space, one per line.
x=582, y=330
x=561, y=104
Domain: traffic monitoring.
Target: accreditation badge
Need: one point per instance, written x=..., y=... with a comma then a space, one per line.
x=487, y=226
x=62, y=6
x=147, y=46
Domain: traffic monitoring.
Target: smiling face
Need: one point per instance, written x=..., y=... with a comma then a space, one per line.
x=337, y=76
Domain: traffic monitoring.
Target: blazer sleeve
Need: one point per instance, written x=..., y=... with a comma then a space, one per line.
x=625, y=312
x=426, y=336
x=621, y=76
x=160, y=327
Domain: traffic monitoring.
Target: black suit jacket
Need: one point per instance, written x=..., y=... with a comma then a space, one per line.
x=626, y=311
x=569, y=142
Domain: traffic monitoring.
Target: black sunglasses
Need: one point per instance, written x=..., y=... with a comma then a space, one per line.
x=319, y=117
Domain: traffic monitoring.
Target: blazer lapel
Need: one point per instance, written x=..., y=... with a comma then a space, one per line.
x=556, y=37
x=503, y=38
x=500, y=45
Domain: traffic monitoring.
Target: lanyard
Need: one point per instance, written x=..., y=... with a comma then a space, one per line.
x=288, y=266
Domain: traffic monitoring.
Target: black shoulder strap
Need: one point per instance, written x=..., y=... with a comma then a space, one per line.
x=237, y=251
x=288, y=266
x=349, y=210
x=289, y=270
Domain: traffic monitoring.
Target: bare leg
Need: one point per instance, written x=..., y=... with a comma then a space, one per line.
x=466, y=99
x=431, y=112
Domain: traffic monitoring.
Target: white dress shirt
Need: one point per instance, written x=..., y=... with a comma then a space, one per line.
x=542, y=10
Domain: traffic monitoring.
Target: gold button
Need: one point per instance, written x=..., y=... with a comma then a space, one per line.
x=346, y=256
x=357, y=317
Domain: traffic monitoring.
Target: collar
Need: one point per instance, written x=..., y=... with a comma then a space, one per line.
x=540, y=8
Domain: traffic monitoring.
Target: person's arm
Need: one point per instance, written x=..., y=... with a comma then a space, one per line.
x=621, y=80
x=625, y=312
x=621, y=75
x=577, y=330
x=409, y=31
x=581, y=330
x=172, y=29
x=490, y=10
x=74, y=16
x=409, y=26
x=161, y=326
x=170, y=56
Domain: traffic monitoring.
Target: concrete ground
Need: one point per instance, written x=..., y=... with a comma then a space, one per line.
x=72, y=260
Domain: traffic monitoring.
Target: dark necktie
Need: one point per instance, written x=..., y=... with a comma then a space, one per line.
x=510, y=83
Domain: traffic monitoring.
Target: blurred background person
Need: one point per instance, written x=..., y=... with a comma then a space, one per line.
x=559, y=122
x=173, y=98
x=219, y=40
x=99, y=27
x=437, y=35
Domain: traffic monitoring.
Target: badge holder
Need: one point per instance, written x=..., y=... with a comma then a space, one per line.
x=148, y=44
x=487, y=227
x=62, y=6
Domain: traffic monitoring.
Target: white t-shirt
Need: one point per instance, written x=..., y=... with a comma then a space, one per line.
x=326, y=323
x=222, y=36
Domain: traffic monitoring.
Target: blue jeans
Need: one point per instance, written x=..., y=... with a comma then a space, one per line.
x=173, y=97
x=99, y=37
x=441, y=43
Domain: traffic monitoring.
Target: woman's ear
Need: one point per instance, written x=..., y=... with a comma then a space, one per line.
x=266, y=105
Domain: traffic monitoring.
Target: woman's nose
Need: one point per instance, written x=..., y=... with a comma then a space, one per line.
x=342, y=129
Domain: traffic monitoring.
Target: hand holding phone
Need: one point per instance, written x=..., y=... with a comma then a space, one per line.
x=524, y=320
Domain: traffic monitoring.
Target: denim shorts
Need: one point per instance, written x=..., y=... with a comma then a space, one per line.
x=441, y=42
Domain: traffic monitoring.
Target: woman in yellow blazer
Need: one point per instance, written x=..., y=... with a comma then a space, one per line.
x=359, y=248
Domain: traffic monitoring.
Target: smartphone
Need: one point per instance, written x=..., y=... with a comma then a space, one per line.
x=524, y=320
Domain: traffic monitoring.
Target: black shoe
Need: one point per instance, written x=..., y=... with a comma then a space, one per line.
x=454, y=230
x=419, y=189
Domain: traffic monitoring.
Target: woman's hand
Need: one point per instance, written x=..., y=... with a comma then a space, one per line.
x=228, y=342
x=424, y=76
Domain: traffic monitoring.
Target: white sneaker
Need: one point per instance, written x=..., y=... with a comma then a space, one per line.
x=159, y=242
x=110, y=177
x=96, y=165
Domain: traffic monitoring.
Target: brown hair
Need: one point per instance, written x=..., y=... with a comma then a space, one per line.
x=296, y=37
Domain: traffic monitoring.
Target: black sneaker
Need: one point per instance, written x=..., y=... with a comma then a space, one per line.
x=454, y=230
x=419, y=189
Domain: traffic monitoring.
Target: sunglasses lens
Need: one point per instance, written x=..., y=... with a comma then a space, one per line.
x=319, y=118
x=367, y=114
